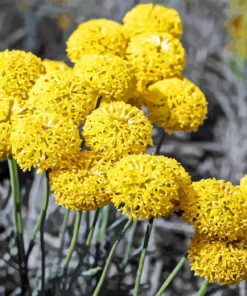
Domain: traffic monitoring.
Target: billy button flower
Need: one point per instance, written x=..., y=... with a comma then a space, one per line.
x=146, y=186
x=155, y=56
x=144, y=18
x=63, y=93
x=80, y=182
x=52, y=65
x=176, y=105
x=117, y=129
x=217, y=261
x=18, y=72
x=42, y=140
x=98, y=36
x=109, y=75
x=217, y=209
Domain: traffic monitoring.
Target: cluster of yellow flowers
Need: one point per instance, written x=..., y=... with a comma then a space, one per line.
x=85, y=126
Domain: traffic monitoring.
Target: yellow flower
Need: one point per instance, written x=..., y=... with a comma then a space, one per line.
x=109, y=75
x=145, y=18
x=176, y=105
x=146, y=186
x=243, y=185
x=155, y=56
x=18, y=72
x=218, y=261
x=43, y=140
x=62, y=93
x=216, y=208
x=5, y=146
x=80, y=183
x=98, y=36
x=51, y=65
x=117, y=129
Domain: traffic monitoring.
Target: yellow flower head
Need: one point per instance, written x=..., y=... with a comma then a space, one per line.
x=62, y=93
x=145, y=18
x=51, y=65
x=5, y=146
x=176, y=105
x=146, y=186
x=117, y=129
x=109, y=75
x=43, y=140
x=217, y=209
x=155, y=56
x=80, y=183
x=218, y=261
x=18, y=72
x=243, y=185
x=98, y=36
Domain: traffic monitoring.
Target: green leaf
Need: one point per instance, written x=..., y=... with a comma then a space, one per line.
x=91, y=271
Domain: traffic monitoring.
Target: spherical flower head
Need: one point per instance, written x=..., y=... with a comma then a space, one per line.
x=117, y=129
x=145, y=18
x=62, y=93
x=5, y=146
x=155, y=56
x=18, y=72
x=143, y=186
x=176, y=105
x=217, y=261
x=80, y=183
x=99, y=36
x=110, y=75
x=52, y=65
x=43, y=140
x=216, y=208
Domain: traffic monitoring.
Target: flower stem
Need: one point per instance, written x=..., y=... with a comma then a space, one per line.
x=142, y=259
x=171, y=276
x=109, y=259
x=15, y=186
x=62, y=235
x=161, y=140
x=41, y=227
x=92, y=228
x=74, y=239
x=130, y=242
x=104, y=222
x=203, y=288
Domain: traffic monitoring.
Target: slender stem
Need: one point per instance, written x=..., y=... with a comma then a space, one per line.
x=109, y=259
x=15, y=186
x=42, y=225
x=74, y=238
x=171, y=276
x=161, y=140
x=130, y=242
x=203, y=288
x=92, y=228
x=104, y=222
x=142, y=259
x=62, y=235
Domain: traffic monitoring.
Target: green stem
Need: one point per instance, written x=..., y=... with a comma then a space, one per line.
x=143, y=255
x=62, y=235
x=161, y=140
x=203, y=288
x=130, y=242
x=15, y=186
x=74, y=239
x=171, y=276
x=92, y=228
x=42, y=225
x=109, y=259
x=105, y=219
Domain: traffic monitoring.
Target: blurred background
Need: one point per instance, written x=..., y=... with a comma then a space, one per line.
x=215, y=39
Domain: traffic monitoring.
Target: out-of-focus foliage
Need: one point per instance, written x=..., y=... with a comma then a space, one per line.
x=218, y=150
